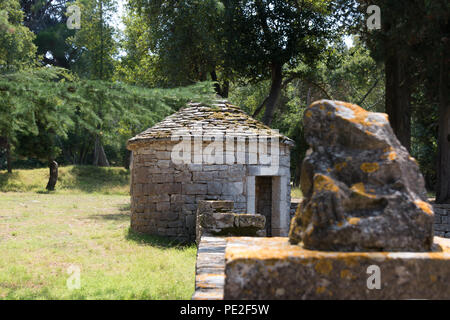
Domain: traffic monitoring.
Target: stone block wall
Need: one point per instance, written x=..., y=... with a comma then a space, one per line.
x=164, y=195
x=216, y=218
x=442, y=220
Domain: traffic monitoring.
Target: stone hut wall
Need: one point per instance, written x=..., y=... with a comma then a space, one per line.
x=442, y=220
x=164, y=195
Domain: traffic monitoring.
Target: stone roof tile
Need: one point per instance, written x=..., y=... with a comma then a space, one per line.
x=219, y=117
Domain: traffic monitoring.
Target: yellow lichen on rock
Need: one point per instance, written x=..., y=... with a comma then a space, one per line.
x=369, y=167
x=360, y=189
x=346, y=274
x=359, y=115
x=320, y=290
x=353, y=221
x=425, y=207
x=392, y=156
x=324, y=266
x=322, y=182
x=340, y=166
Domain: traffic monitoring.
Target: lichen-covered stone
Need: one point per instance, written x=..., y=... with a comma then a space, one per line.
x=216, y=218
x=362, y=189
x=271, y=268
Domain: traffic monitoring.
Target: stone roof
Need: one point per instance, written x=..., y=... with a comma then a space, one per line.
x=220, y=117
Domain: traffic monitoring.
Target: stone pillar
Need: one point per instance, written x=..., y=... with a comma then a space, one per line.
x=251, y=195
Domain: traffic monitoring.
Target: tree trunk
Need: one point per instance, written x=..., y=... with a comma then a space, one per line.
x=275, y=89
x=8, y=156
x=225, y=89
x=127, y=159
x=398, y=98
x=216, y=83
x=53, y=166
x=100, y=158
x=221, y=91
x=443, y=161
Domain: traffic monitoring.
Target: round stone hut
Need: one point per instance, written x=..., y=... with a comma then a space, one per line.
x=208, y=152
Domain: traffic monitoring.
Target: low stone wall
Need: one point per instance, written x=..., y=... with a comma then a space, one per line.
x=210, y=269
x=441, y=217
x=442, y=220
x=272, y=268
x=216, y=218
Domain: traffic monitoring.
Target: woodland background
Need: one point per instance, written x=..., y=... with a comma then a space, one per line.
x=74, y=96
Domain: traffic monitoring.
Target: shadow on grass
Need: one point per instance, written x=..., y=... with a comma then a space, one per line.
x=155, y=241
x=91, y=178
x=5, y=177
x=44, y=191
x=111, y=216
x=125, y=207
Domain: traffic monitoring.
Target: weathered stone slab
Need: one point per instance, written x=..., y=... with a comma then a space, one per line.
x=215, y=218
x=209, y=269
x=271, y=268
x=362, y=189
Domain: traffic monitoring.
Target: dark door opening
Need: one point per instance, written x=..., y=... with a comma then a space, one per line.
x=263, y=193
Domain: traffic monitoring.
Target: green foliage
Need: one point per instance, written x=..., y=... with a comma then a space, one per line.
x=53, y=47
x=126, y=111
x=342, y=73
x=185, y=36
x=34, y=110
x=416, y=32
x=139, y=66
x=262, y=33
x=17, y=50
x=47, y=110
x=95, y=41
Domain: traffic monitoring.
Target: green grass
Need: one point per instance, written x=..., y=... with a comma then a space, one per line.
x=85, y=224
x=296, y=193
x=71, y=179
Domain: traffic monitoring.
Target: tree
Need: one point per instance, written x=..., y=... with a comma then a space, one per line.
x=47, y=20
x=139, y=66
x=409, y=29
x=264, y=37
x=38, y=113
x=347, y=74
x=17, y=51
x=97, y=47
x=182, y=39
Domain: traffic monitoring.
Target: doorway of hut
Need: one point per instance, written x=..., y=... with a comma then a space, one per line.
x=263, y=199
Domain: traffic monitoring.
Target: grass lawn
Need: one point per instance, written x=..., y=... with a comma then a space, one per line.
x=71, y=179
x=85, y=224
x=43, y=234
